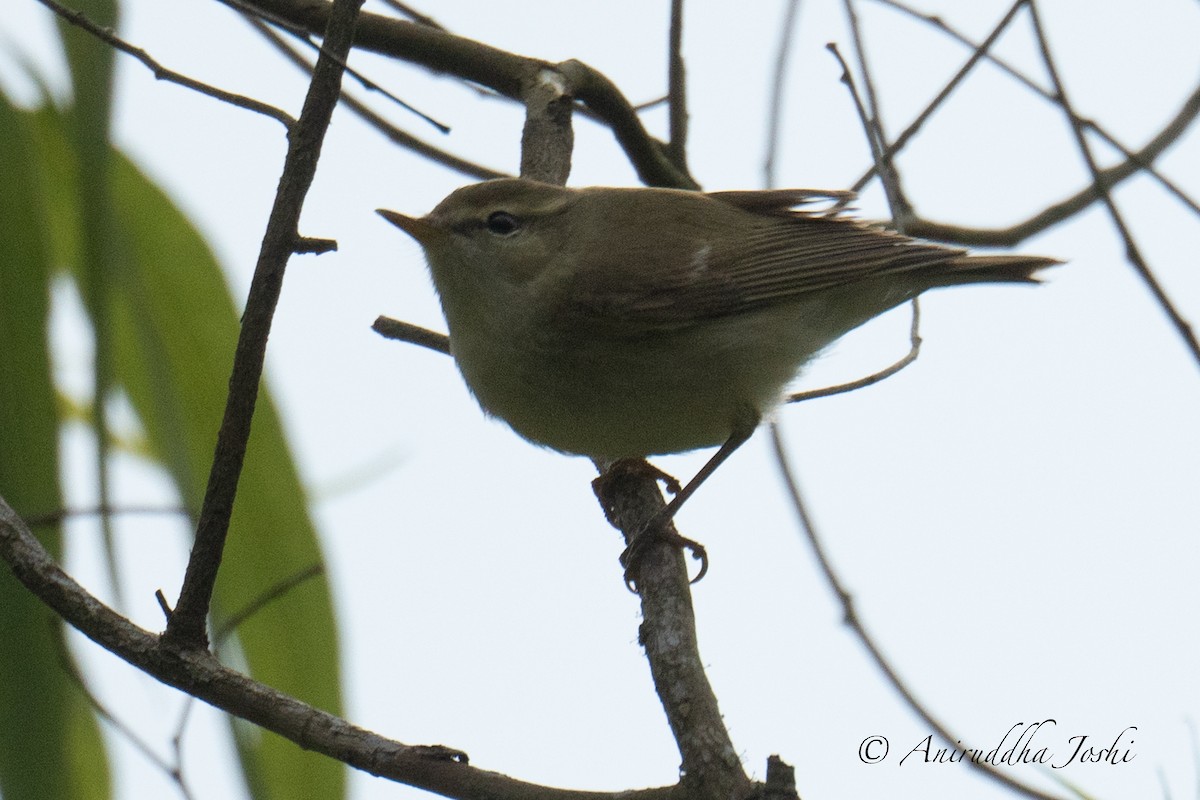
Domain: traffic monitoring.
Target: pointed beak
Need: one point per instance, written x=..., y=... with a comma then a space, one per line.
x=420, y=228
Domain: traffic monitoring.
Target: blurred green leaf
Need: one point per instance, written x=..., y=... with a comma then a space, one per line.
x=155, y=293
x=50, y=744
x=175, y=329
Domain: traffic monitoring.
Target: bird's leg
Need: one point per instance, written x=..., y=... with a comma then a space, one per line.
x=659, y=529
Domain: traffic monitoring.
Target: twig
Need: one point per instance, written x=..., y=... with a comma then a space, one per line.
x=874, y=123
x=172, y=771
x=501, y=71
x=435, y=768
x=1146, y=166
x=778, y=78
x=79, y=19
x=186, y=628
x=850, y=617
x=1132, y=253
x=55, y=517
x=250, y=11
x=888, y=176
x=914, y=338
x=677, y=113
x=270, y=595
x=710, y=767
x=402, y=138
x=547, y=138
x=413, y=334
x=979, y=53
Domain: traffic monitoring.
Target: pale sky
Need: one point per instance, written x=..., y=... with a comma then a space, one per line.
x=1016, y=514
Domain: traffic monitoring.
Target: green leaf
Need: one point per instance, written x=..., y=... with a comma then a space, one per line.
x=175, y=328
x=50, y=744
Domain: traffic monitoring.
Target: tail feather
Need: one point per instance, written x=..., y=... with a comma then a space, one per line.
x=992, y=269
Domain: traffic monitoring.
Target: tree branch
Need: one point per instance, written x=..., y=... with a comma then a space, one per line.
x=79, y=19
x=1132, y=253
x=435, y=768
x=507, y=73
x=186, y=626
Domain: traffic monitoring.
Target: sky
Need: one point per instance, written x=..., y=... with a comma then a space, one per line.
x=1015, y=514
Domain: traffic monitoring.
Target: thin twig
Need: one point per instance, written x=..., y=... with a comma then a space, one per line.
x=270, y=595
x=55, y=517
x=979, y=53
x=874, y=125
x=1091, y=125
x=850, y=617
x=413, y=334
x=1132, y=253
x=677, y=112
x=402, y=138
x=914, y=338
x=436, y=768
x=186, y=628
x=79, y=19
x=778, y=78
x=888, y=176
x=501, y=71
x=172, y=771
x=249, y=10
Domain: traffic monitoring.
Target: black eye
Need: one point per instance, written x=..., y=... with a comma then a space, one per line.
x=502, y=223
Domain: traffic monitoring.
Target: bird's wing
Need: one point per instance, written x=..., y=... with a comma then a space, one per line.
x=739, y=262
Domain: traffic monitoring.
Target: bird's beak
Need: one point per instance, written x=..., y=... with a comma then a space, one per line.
x=420, y=228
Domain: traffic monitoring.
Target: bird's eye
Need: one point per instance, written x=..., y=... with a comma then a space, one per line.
x=502, y=223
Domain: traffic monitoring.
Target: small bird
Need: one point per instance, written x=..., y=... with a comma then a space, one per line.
x=619, y=323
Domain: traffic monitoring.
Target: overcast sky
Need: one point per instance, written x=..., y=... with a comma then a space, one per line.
x=1016, y=514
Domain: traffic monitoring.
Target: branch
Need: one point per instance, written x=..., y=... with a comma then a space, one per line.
x=186, y=626
x=504, y=72
x=413, y=334
x=940, y=24
x=711, y=767
x=1132, y=253
x=79, y=19
x=914, y=350
x=1103, y=180
x=677, y=90
x=850, y=617
x=775, y=109
x=435, y=768
x=396, y=135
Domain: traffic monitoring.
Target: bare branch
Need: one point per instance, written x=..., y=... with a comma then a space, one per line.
x=504, y=72
x=1132, y=253
x=161, y=73
x=402, y=138
x=1146, y=166
x=677, y=90
x=711, y=767
x=775, y=109
x=979, y=53
x=914, y=338
x=270, y=595
x=186, y=627
x=435, y=768
x=413, y=334
x=850, y=617
x=873, y=124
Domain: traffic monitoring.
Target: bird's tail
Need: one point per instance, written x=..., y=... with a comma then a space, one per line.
x=992, y=269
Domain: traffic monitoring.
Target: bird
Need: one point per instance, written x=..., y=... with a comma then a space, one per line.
x=621, y=323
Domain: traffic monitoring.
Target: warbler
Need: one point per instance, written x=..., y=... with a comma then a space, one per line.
x=620, y=323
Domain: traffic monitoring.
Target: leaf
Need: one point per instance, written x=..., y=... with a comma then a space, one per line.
x=175, y=328
x=50, y=744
